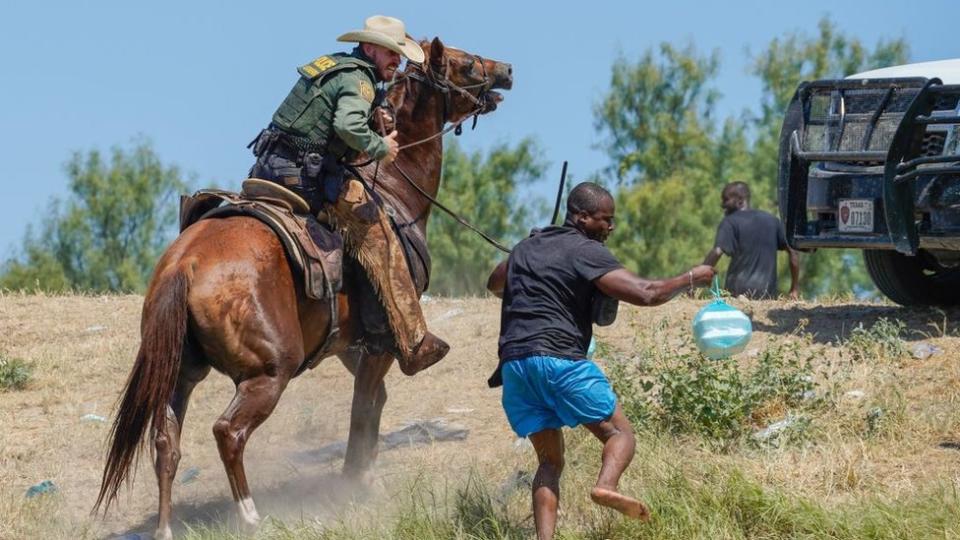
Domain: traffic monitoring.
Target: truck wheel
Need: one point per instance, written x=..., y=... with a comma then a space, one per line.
x=910, y=281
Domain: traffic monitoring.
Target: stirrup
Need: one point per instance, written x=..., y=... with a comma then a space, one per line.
x=258, y=189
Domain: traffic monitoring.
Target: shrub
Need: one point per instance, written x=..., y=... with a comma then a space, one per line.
x=703, y=396
x=687, y=393
x=15, y=374
x=882, y=340
x=632, y=389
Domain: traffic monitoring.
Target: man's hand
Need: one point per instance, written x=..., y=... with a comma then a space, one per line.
x=383, y=122
x=393, y=148
x=702, y=274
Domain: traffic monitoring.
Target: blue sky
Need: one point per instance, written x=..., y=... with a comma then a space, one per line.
x=200, y=78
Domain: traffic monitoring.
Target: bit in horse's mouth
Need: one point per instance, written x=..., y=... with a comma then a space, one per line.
x=491, y=99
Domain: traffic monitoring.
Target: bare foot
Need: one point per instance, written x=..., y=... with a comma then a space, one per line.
x=627, y=506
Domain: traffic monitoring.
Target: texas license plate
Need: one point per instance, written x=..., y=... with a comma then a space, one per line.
x=855, y=215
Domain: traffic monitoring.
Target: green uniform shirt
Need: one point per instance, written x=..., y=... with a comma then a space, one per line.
x=330, y=105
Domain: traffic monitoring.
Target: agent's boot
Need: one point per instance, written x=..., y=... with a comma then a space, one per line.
x=430, y=351
x=371, y=240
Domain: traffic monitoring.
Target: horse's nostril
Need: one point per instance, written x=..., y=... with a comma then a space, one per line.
x=510, y=70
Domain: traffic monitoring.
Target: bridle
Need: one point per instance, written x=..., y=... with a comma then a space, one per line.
x=440, y=81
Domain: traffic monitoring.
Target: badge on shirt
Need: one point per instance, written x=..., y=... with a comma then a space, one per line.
x=366, y=91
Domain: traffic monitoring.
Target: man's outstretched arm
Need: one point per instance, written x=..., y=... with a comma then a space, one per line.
x=713, y=256
x=624, y=285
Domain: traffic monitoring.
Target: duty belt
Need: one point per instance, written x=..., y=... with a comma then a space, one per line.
x=275, y=141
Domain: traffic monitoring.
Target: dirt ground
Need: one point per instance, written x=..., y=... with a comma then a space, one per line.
x=83, y=347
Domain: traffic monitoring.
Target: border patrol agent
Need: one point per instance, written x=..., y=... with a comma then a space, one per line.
x=325, y=122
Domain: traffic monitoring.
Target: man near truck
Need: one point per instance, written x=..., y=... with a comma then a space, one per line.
x=751, y=238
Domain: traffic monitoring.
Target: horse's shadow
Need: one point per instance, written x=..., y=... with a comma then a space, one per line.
x=301, y=499
x=833, y=324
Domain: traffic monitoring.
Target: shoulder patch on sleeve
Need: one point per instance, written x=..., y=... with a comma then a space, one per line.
x=317, y=67
x=366, y=91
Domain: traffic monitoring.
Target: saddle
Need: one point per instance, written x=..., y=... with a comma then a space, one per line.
x=314, y=250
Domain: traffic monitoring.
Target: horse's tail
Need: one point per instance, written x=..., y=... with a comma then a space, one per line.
x=151, y=383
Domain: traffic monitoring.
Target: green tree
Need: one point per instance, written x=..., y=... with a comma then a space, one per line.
x=485, y=188
x=107, y=234
x=656, y=115
x=666, y=153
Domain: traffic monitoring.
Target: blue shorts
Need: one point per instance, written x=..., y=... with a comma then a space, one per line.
x=543, y=392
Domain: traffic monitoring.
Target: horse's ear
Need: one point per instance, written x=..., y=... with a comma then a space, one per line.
x=436, y=52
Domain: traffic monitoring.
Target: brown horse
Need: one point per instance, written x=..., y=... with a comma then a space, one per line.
x=223, y=296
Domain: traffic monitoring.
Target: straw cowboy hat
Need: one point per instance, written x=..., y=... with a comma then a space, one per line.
x=387, y=32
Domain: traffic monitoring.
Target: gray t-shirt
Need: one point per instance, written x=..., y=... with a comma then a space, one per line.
x=751, y=239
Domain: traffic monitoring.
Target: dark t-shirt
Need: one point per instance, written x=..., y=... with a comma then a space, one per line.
x=548, y=293
x=751, y=238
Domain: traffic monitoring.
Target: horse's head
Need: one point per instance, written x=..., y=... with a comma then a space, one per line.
x=466, y=80
x=450, y=86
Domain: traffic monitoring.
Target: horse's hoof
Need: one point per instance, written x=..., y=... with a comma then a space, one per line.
x=162, y=534
x=363, y=481
x=249, y=517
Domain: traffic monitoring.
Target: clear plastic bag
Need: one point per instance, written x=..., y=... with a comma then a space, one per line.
x=719, y=329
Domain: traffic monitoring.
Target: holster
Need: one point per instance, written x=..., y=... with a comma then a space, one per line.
x=264, y=142
x=332, y=174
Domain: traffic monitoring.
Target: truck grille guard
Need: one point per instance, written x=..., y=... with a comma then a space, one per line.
x=869, y=122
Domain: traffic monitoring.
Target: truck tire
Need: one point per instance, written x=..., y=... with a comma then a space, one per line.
x=908, y=281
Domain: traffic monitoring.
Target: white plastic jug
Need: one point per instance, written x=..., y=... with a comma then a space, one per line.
x=721, y=330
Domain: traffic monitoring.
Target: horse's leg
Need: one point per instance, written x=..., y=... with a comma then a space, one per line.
x=252, y=404
x=369, y=396
x=192, y=371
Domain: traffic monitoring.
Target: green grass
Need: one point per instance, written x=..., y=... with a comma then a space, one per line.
x=696, y=502
x=708, y=498
x=690, y=501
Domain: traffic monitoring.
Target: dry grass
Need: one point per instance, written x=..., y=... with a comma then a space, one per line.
x=83, y=346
